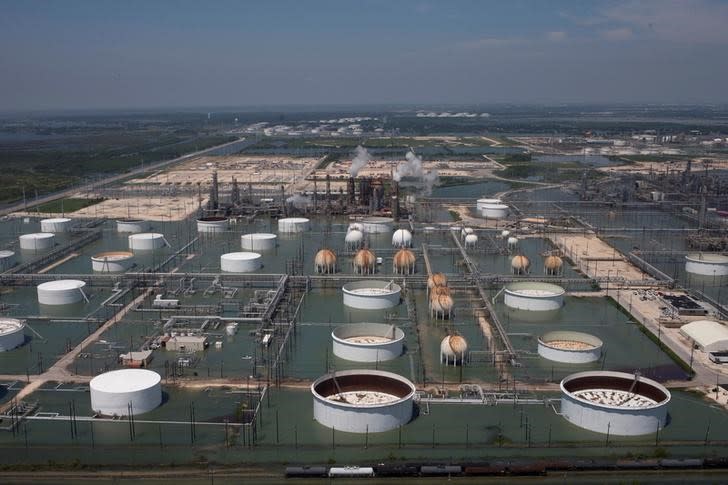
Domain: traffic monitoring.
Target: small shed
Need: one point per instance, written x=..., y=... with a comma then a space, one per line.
x=709, y=336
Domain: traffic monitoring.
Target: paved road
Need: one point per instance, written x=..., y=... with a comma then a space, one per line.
x=116, y=178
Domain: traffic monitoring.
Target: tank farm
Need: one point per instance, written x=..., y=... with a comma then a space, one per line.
x=367, y=327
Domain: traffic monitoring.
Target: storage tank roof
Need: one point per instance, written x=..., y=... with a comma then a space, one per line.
x=125, y=380
x=62, y=285
x=241, y=256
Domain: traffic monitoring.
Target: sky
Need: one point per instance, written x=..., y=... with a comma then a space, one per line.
x=99, y=54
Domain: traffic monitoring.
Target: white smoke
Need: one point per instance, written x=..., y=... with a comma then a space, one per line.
x=412, y=167
x=299, y=201
x=361, y=158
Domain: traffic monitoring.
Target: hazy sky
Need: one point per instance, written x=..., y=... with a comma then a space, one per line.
x=153, y=53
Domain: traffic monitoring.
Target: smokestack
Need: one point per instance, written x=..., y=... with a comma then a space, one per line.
x=328, y=192
x=283, y=201
x=350, y=191
x=315, y=193
x=395, y=200
x=365, y=187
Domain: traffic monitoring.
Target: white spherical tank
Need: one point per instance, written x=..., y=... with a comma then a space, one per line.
x=293, y=225
x=363, y=401
x=146, y=241
x=119, y=392
x=132, y=225
x=61, y=292
x=112, y=261
x=371, y=294
x=570, y=347
x=534, y=296
x=38, y=241
x=368, y=342
x=471, y=240
x=12, y=333
x=614, y=402
x=402, y=238
x=258, y=241
x=7, y=260
x=495, y=211
x=211, y=225
x=377, y=225
x=453, y=350
x=242, y=262
x=707, y=264
x=56, y=224
x=354, y=239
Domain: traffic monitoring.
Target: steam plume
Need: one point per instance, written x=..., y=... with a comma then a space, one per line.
x=361, y=158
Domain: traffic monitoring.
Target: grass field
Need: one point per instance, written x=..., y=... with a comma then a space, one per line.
x=65, y=205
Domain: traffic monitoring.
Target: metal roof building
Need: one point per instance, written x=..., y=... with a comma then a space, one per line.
x=710, y=336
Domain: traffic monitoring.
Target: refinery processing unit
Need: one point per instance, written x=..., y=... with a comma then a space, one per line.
x=371, y=314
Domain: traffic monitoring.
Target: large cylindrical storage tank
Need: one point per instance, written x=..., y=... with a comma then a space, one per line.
x=377, y=225
x=368, y=342
x=534, y=296
x=38, y=241
x=7, y=260
x=294, y=224
x=614, y=402
x=119, y=392
x=494, y=211
x=12, y=333
x=213, y=224
x=112, y=261
x=146, y=241
x=707, y=264
x=258, y=241
x=570, y=347
x=481, y=203
x=242, y=262
x=132, y=225
x=55, y=224
x=363, y=401
x=371, y=294
x=61, y=292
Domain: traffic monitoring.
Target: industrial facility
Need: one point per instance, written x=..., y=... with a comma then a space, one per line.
x=342, y=308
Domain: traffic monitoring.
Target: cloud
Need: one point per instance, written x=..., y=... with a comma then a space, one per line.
x=488, y=42
x=556, y=36
x=622, y=33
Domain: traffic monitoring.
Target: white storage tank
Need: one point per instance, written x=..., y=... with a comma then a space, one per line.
x=241, y=262
x=377, y=225
x=112, y=261
x=259, y=241
x=570, y=347
x=471, y=241
x=402, y=238
x=707, y=264
x=132, y=225
x=534, y=296
x=481, y=203
x=213, y=224
x=453, y=350
x=354, y=239
x=368, y=342
x=7, y=260
x=147, y=241
x=12, y=333
x=55, y=224
x=616, y=403
x=61, y=292
x=363, y=401
x=38, y=241
x=118, y=392
x=371, y=294
x=494, y=211
x=294, y=224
